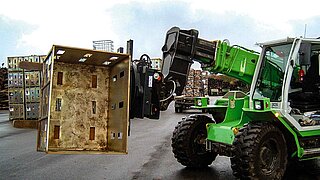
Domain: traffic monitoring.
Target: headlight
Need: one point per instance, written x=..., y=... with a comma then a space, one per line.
x=199, y=103
x=258, y=104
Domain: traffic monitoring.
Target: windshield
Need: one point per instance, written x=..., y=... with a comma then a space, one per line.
x=269, y=83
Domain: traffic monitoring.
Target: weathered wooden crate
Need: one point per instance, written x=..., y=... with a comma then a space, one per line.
x=16, y=96
x=84, y=104
x=32, y=79
x=16, y=112
x=32, y=111
x=15, y=80
x=32, y=95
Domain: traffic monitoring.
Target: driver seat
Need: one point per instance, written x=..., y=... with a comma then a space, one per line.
x=308, y=99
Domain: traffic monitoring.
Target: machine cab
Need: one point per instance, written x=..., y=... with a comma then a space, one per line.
x=288, y=74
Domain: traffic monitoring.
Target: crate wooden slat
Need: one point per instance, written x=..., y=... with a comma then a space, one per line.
x=84, y=102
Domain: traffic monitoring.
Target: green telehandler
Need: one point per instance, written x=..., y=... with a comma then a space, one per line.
x=277, y=122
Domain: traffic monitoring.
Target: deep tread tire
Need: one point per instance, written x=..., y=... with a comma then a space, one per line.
x=188, y=142
x=253, y=146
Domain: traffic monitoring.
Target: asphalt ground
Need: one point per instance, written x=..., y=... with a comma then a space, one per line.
x=150, y=157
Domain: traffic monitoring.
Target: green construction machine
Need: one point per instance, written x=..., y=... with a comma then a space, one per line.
x=277, y=122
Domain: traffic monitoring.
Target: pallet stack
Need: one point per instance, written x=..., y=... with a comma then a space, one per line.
x=221, y=84
x=23, y=89
x=197, y=84
x=4, y=102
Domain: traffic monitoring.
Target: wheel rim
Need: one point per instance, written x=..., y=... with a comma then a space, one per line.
x=269, y=156
x=198, y=142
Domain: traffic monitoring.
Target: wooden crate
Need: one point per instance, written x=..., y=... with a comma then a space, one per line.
x=16, y=111
x=32, y=79
x=15, y=79
x=84, y=102
x=32, y=111
x=32, y=95
x=16, y=96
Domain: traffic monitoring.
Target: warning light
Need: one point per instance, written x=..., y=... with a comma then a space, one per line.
x=235, y=130
x=301, y=75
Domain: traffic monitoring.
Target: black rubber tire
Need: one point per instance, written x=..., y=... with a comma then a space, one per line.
x=260, y=152
x=188, y=142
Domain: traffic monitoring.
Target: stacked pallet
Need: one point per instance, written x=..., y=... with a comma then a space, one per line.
x=221, y=84
x=23, y=89
x=197, y=84
x=4, y=88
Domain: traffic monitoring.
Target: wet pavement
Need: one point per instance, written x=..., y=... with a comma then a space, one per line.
x=150, y=157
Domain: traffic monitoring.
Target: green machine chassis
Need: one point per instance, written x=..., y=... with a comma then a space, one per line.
x=241, y=63
x=271, y=125
x=241, y=111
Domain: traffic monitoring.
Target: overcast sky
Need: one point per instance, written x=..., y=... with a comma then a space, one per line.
x=31, y=27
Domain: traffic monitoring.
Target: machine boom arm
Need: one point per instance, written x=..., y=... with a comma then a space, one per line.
x=153, y=91
x=183, y=47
